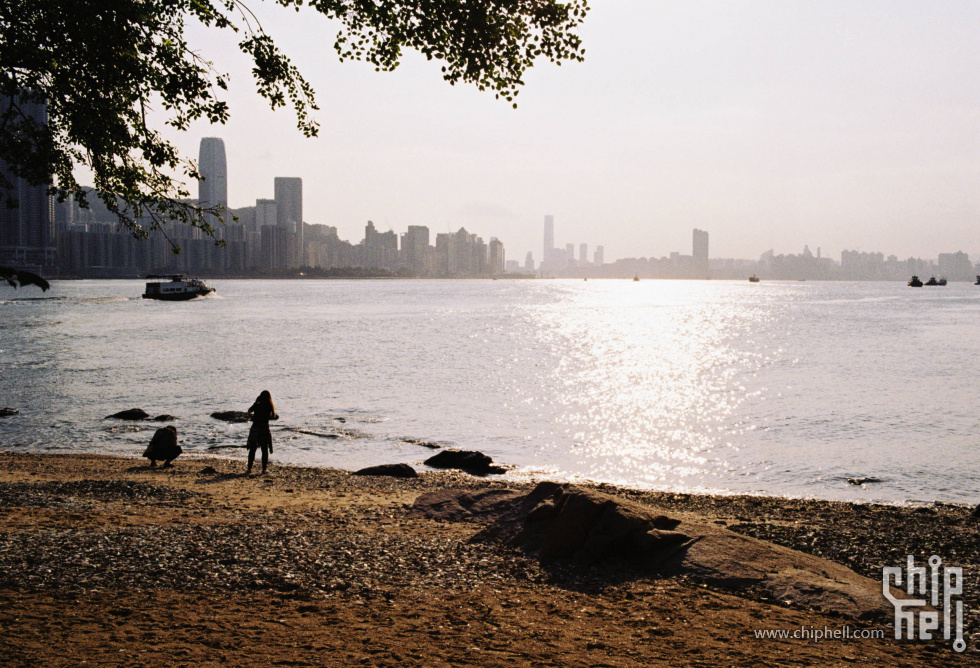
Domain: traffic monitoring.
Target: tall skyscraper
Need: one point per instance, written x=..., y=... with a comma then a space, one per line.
x=212, y=190
x=599, y=256
x=583, y=253
x=415, y=247
x=289, y=208
x=699, y=254
x=27, y=236
x=496, y=257
x=549, y=238
x=266, y=213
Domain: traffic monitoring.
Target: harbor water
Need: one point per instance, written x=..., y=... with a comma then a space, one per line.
x=777, y=388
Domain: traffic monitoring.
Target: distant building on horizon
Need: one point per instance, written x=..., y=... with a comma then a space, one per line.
x=289, y=213
x=549, y=238
x=699, y=255
x=415, y=252
x=27, y=212
x=212, y=188
x=496, y=258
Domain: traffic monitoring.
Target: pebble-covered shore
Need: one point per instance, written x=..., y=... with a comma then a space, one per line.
x=83, y=528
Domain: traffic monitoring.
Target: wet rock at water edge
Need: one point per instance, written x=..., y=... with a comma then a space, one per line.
x=470, y=461
x=863, y=481
x=231, y=416
x=6, y=412
x=393, y=470
x=130, y=414
x=421, y=442
x=165, y=417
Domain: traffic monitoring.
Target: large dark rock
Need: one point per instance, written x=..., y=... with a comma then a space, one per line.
x=393, y=470
x=231, y=416
x=7, y=412
x=469, y=461
x=131, y=414
x=576, y=526
x=571, y=524
x=165, y=417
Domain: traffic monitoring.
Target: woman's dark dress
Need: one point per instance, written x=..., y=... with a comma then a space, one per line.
x=259, y=435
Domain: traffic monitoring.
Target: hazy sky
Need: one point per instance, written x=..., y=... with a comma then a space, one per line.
x=770, y=124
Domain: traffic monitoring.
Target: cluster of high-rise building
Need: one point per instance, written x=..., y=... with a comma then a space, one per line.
x=562, y=263
x=853, y=265
x=272, y=238
x=556, y=261
x=267, y=238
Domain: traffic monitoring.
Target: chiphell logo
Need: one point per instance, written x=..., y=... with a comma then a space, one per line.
x=941, y=584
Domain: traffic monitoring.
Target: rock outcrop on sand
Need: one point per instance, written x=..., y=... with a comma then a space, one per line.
x=393, y=470
x=470, y=461
x=577, y=526
x=231, y=416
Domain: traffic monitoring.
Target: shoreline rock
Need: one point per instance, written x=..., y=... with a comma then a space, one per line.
x=582, y=527
x=392, y=470
x=231, y=416
x=134, y=414
x=469, y=461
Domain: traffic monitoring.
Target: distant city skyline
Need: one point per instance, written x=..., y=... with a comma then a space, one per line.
x=772, y=125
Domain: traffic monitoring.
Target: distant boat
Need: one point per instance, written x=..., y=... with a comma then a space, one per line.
x=177, y=289
x=978, y=280
x=636, y=279
x=914, y=282
x=753, y=279
x=933, y=281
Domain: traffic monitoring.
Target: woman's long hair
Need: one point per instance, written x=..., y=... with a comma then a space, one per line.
x=265, y=397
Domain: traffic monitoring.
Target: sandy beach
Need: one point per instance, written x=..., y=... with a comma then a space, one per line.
x=105, y=561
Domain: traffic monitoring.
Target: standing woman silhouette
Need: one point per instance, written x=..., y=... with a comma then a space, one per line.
x=259, y=435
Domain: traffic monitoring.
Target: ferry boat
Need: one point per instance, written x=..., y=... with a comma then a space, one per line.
x=914, y=282
x=933, y=281
x=753, y=279
x=177, y=289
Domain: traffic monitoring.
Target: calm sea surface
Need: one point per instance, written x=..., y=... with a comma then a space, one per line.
x=773, y=388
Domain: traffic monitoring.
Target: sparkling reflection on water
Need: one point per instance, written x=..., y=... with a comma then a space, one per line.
x=777, y=388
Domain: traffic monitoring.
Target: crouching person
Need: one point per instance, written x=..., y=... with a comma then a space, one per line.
x=163, y=446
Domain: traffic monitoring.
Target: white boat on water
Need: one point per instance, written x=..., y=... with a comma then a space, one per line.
x=177, y=289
